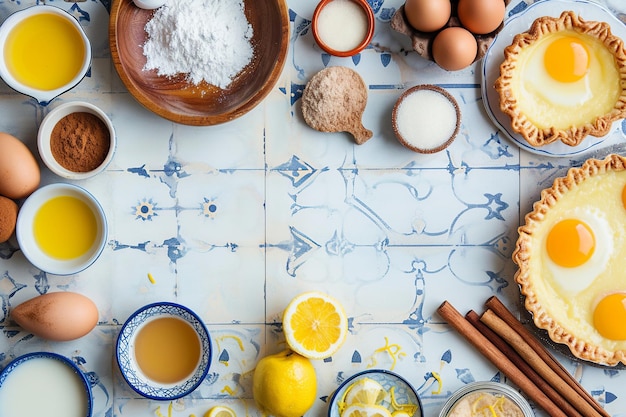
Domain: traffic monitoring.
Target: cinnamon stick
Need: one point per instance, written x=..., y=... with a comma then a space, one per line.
x=513, y=338
x=505, y=314
x=523, y=366
x=499, y=359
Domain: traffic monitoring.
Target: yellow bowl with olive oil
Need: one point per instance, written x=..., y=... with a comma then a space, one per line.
x=45, y=52
x=61, y=229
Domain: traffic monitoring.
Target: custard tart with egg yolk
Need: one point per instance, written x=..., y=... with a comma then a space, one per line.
x=570, y=254
x=563, y=79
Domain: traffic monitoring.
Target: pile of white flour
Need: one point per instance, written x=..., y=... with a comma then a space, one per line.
x=205, y=39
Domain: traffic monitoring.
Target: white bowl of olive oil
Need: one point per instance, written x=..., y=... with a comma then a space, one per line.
x=45, y=52
x=61, y=229
x=164, y=351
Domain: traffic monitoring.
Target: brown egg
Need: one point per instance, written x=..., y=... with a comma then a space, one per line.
x=19, y=171
x=57, y=316
x=454, y=48
x=481, y=16
x=8, y=218
x=427, y=15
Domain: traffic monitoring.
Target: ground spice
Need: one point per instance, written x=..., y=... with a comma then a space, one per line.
x=80, y=142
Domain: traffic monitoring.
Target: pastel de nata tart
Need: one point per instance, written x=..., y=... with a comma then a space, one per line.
x=563, y=79
x=570, y=253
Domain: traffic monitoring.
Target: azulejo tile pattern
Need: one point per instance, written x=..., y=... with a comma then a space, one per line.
x=234, y=220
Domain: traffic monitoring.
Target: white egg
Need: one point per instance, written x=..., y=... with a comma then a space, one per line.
x=573, y=280
x=149, y=4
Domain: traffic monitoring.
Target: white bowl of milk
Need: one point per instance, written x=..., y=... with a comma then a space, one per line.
x=343, y=27
x=44, y=384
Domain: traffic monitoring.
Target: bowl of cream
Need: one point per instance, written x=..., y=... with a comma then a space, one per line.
x=32, y=63
x=343, y=28
x=44, y=384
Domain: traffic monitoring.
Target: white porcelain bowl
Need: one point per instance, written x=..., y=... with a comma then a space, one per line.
x=127, y=359
x=42, y=96
x=28, y=242
x=52, y=376
x=45, y=132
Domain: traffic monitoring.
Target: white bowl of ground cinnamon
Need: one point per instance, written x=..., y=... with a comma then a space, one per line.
x=76, y=140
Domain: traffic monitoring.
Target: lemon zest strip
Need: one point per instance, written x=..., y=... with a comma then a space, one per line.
x=490, y=408
x=228, y=390
x=407, y=408
x=151, y=278
x=439, y=383
x=394, y=350
x=235, y=338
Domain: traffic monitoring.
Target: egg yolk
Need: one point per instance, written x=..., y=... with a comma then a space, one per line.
x=570, y=243
x=567, y=59
x=609, y=317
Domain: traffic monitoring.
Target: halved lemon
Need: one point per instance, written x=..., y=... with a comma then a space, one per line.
x=220, y=411
x=365, y=391
x=315, y=325
x=362, y=410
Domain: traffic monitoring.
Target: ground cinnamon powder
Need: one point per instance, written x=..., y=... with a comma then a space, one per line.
x=80, y=142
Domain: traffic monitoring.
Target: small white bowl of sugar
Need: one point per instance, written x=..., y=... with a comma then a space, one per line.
x=426, y=118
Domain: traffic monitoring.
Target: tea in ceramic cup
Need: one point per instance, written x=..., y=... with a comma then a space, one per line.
x=164, y=351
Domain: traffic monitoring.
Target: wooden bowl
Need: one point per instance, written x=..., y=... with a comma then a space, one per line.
x=182, y=102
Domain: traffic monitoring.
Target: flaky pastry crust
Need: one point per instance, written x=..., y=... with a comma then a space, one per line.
x=526, y=281
x=574, y=135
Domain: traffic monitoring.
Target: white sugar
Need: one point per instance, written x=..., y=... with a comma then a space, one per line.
x=426, y=119
x=342, y=25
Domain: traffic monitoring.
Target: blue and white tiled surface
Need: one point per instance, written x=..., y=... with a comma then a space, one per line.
x=234, y=220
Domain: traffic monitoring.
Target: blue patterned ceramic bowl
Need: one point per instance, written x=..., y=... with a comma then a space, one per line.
x=399, y=392
x=127, y=346
x=44, y=384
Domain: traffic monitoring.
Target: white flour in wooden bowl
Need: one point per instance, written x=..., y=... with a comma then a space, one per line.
x=208, y=40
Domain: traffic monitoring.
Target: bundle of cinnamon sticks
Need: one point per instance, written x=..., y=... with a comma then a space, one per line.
x=513, y=349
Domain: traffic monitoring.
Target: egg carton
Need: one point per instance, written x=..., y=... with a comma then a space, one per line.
x=422, y=41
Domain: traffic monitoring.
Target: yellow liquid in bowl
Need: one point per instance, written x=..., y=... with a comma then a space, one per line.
x=167, y=350
x=44, y=51
x=65, y=227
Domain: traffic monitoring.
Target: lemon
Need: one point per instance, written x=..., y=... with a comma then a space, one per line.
x=401, y=414
x=363, y=410
x=220, y=411
x=365, y=391
x=315, y=325
x=284, y=384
